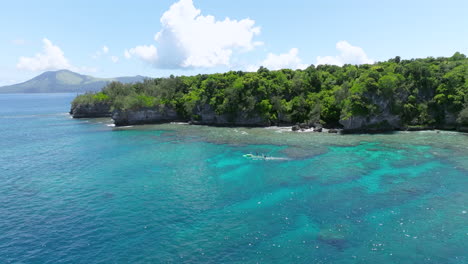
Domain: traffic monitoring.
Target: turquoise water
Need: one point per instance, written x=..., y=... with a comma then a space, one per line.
x=82, y=191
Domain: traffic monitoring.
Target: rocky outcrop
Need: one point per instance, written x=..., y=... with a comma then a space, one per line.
x=450, y=121
x=417, y=128
x=90, y=110
x=145, y=116
x=378, y=123
x=382, y=119
x=207, y=116
x=315, y=127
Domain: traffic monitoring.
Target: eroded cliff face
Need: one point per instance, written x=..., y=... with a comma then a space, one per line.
x=381, y=119
x=90, y=110
x=206, y=116
x=378, y=123
x=145, y=116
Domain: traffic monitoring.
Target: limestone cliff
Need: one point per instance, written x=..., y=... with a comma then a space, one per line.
x=90, y=110
x=205, y=116
x=145, y=116
x=381, y=119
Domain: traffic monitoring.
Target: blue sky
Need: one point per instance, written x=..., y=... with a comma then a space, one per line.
x=184, y=37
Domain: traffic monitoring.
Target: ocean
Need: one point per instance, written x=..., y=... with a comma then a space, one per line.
x=83, y=191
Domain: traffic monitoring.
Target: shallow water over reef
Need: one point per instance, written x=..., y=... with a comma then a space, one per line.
x=81, y=191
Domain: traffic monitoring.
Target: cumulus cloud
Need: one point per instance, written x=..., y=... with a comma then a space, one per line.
x=348, y=54
x=127, y=54
x=189, y=39
x=289, y=60
x=147, y=53
x=51, y=58
x=105, y=49
x=114, y=59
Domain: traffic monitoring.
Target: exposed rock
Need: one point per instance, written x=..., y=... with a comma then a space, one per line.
x=384, y=122
x=332, y=131
x=90, y=110
x=448, y=127
x=381, y=119
x=295, y=128
x=463, y=129
x=209, y=117
x=317, y=127
x=450, y=118
x=304, y=126
x=284, y=119
x=145, y=116
x=449, y=122
x=418, y=128
x=316, y=124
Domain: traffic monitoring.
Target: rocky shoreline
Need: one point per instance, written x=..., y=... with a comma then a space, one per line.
x=359, y=124
x=90, y=111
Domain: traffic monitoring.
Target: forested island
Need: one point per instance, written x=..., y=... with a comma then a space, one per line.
x=392, y=95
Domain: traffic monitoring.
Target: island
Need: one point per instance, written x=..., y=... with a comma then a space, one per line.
x=65, y=81
x=416, y=94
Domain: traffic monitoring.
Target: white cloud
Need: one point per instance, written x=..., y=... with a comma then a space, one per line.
x=189, y=39
x=114, y=59
x=288, y=60
x=348, y=54
x=105, y=49
x=51, y=58
x=127, y=54
x=144, y=52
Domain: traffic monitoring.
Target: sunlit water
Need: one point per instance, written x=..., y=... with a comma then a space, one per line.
x=82, y=191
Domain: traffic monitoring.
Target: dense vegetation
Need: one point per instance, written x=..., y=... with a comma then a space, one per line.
x=420, y=91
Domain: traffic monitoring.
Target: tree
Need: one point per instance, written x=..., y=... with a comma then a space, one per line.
x=419, y=91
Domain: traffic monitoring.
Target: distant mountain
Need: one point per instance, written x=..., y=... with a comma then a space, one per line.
x=64, y=81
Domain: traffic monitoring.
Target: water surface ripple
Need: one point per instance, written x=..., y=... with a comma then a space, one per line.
x=80, y=191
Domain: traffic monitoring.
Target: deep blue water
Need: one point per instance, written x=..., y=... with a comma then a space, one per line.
x=82, y=191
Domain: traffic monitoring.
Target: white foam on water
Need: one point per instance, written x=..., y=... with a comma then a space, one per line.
x=240, y=131
x=179, y=123
x=267, y=158
x=305, y=130
x=278, y=129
